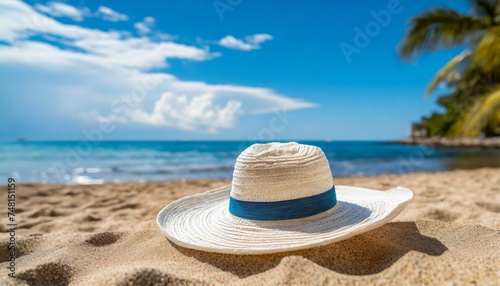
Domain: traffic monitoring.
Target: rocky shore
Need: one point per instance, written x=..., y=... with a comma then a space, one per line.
x=462, y=142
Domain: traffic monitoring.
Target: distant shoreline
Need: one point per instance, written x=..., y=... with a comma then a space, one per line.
x=486, y=143
x=73, y=163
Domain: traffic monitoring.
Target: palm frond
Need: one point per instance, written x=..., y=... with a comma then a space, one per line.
x=450, y=72
x=490, y=8
x=483, y=114
x=496, y=20
x=484, y=7
x=441, y=28
x=487, y=54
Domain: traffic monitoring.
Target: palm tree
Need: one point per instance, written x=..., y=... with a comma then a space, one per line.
x=474, y=75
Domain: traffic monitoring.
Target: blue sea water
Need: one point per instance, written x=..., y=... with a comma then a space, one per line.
x=119, y=161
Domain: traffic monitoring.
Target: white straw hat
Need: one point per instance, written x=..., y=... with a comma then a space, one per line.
x=281, y=198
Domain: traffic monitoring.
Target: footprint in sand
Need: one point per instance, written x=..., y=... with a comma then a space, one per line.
x=151, y=276
x=125, y=206
x=103, y=238
x=51, y=273
x=492, y=207
x=46, y=212
x=442, y=215
x=24, y=246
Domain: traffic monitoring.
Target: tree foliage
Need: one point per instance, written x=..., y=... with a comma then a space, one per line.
x=473, y=107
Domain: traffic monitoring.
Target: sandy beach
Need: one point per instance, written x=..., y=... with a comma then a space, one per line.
x=113, y=110
x=106, y=235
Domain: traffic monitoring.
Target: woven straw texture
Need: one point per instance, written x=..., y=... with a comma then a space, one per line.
x=277, y=172
x=280, y=171
x=203, y=222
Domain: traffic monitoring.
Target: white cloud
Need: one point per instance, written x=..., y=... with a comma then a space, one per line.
x=92, y=72
x=96, y=46
x=258, y=38
x=58, y=9
x=192, y=106
x=130, y=53
x=249, y=43
x=190, y=113
x=235, y=44
x=145, y=26
x=164, y=36
x=109, y=14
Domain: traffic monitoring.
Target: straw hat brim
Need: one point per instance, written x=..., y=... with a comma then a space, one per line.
x=203, y=222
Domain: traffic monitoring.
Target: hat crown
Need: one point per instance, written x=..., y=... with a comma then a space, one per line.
x=280, y=171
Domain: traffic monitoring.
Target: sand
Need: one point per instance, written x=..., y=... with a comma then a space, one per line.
x=106, y=235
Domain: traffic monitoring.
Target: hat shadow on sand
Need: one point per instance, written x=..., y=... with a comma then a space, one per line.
x=363, y=254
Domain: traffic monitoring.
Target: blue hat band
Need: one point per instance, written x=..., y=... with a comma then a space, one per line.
x=284, y=210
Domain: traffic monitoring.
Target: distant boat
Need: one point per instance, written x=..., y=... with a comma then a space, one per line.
x=21, y=139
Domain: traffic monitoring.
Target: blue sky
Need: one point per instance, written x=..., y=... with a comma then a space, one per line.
x=228, y=69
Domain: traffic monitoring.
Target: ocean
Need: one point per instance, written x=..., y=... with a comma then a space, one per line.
x=120, y=161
